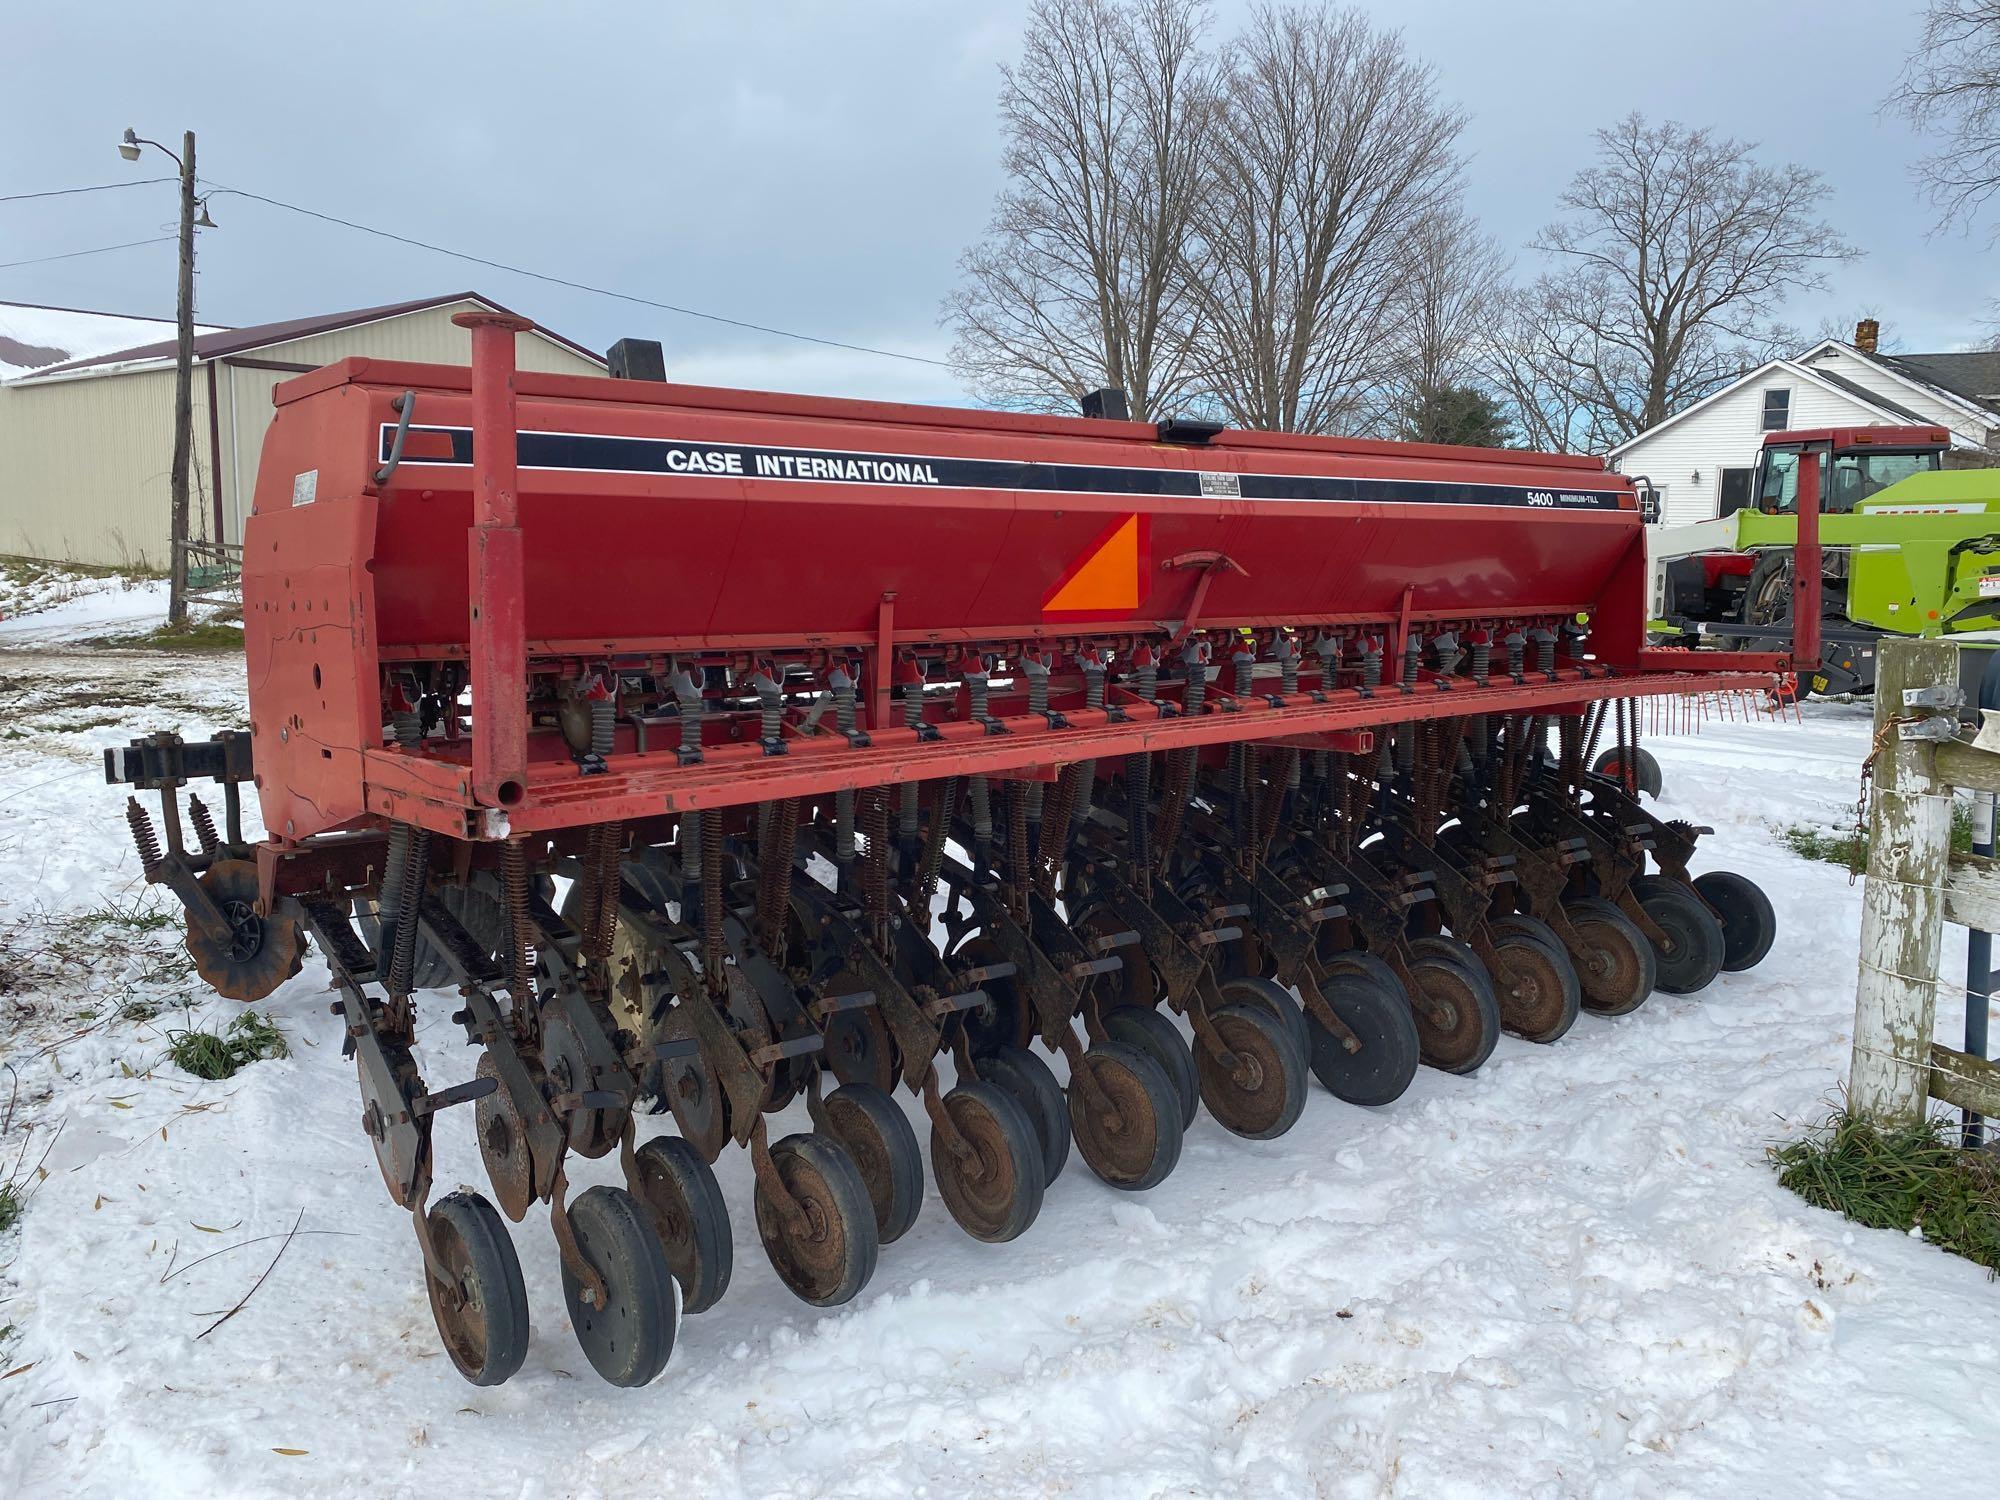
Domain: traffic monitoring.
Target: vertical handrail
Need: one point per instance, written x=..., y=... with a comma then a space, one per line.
x=498, y=634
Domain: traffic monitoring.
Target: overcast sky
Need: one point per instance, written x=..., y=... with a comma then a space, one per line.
x=815, y=167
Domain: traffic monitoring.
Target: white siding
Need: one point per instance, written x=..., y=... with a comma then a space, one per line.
x=1727, y=434
x=1968, y=430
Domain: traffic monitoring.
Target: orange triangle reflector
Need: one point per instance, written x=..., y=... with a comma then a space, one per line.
x=1105, y=578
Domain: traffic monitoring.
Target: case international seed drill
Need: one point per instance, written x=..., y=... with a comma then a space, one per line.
x=710, y=743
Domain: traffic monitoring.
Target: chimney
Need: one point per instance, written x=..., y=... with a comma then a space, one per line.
x=1865, y=333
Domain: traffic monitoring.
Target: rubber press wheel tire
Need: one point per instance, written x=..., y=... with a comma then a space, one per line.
x=1749, y=926
x=872, y=1128
x=684, y=1203
x=1650, y=781
x=1457, y=1013
x=1263, y=1096
x=627, y=1341
x=1616, y=965
x=1536, y=984
x=1378, y=1013
x=1137, y=1150
x=1025, y=1076
x=1694, y=955
x=484, y=1325
x=1156, y=1035
x=997, y=1194
x=836, y=1259
x=1271, y=997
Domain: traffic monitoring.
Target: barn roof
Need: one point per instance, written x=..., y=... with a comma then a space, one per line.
x=220, y=343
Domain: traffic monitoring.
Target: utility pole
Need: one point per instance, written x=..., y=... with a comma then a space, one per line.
x=183, y=370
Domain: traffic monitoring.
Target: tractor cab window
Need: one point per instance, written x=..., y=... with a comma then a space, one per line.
x=1845, y=482
x=1858, y=476
x=1777, y=482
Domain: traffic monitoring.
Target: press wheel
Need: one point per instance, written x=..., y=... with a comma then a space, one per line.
x=1373, y=1006
x=684, y=1205
x=627, y=1340
x=872, y=1128
x=1695, y=943
x=1537, y=986
x=1264, y=1094
x=1614, y=962
x=830, y=1261
x=1155, y=1034
x=257, y=954
x=1024, y=1075
x=1457, y=1014
x=1125, y=1116
x=995, y=1193
x=482, y=1316
x=1275, y=1000
x=1749, y=926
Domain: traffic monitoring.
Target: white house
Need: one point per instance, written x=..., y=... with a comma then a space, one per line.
x=1701, y=459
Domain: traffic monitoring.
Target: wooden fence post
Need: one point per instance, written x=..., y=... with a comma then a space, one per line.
x=1902, y=904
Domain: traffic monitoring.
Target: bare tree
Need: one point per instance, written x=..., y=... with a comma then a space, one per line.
x=1330, y=146
x=1951, y=84
x=1449, y=285
x=1671, y=254
x=1535, y=345
x=1078, y=281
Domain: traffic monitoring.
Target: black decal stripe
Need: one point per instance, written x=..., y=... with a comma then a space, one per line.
x=595, y=453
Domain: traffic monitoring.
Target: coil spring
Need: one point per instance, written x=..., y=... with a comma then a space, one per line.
x=603, y=726
x=1545, y=654
x=409, y=902
x=913, y=717
x=774, y=876
x=204, y=825
x=408, y=727
x=875, y=861
x=1413, y=650
x=1017, y=840
x=1093, y=698
x=144, y=839
x=933, y=861
x=843, y=802
x=1516, y=655
x=1482, y=661
x=1139, y=776
x=711, y=898
x=1038, y=703
x=1371, y=665
x=520, y=959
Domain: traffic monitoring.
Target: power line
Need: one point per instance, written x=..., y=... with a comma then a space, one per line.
x=73, y=254
x=580, y=286
x=102, y=187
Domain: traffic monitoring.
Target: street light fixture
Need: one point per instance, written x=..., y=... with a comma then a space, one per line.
x=129, y=148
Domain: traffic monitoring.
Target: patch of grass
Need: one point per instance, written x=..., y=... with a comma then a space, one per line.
x=206, y=635
x=12, y=1202
x=222, y=1054
x=1848, y=847
x=1902, y=1179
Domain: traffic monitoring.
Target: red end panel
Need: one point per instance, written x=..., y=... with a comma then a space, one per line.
x=308, y=636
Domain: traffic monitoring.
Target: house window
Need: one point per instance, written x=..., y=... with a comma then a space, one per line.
x=1777, y=409
x=1735, y=492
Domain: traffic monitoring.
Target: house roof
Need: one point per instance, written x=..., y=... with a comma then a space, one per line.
x=220, y=343
x=34, y=336
x=1976, y=376
x=1791, y=367
x=1954, y=379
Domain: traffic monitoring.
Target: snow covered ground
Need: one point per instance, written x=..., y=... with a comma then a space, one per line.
x=1572, y=1274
